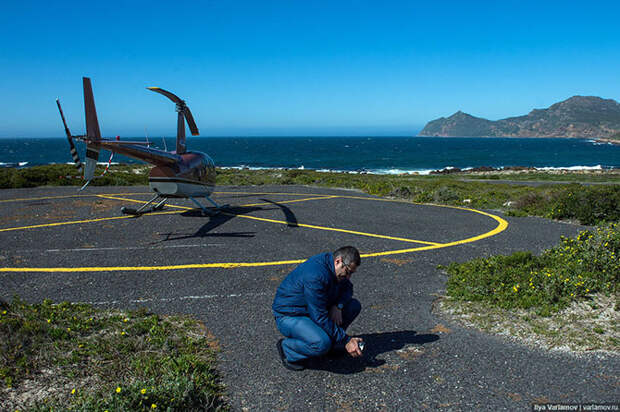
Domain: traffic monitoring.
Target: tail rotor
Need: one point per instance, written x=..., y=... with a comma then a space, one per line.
x=74, y=153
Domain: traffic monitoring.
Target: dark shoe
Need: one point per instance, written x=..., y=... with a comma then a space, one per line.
x=294, y=366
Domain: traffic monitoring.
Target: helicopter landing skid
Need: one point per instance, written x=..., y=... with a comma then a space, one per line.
x=143, y=209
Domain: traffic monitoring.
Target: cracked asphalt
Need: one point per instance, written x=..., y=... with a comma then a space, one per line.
x=225, y=269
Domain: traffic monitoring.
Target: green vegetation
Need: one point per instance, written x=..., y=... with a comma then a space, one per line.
x=589, y=204
x=67, y=175
x=548, y=177
x=575, y=269
x=74, y=357
x=566, y=298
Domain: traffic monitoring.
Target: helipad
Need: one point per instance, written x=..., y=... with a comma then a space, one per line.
x=57, y=230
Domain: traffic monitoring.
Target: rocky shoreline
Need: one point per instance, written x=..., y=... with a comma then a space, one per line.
x=520, y=169
x=611, y=140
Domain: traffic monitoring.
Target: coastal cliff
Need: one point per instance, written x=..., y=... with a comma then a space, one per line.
x=578, y=116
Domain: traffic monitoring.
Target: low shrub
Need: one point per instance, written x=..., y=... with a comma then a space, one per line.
x=589, y=204
x=575, y=269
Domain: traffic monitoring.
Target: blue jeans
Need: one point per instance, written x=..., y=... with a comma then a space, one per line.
x=305, y=339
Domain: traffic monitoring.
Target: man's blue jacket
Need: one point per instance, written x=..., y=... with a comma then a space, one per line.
x=310, y=290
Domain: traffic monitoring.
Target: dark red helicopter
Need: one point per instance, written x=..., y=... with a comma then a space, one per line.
x=175, y=174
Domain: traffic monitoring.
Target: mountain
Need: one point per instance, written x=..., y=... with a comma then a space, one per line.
x=579, y=116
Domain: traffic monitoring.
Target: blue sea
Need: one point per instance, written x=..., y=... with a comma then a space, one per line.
x=381, y=155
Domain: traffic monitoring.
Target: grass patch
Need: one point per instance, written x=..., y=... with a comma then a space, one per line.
x=74, y=357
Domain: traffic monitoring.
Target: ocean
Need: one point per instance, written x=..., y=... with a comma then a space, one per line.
x=381, y=155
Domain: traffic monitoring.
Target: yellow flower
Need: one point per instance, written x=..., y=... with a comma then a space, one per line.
x=143, y=391
x=118, y=389
x=126, y=320
x=4, y=312
x=73, y=391
x=49, y=320
x=153, y=406
x=123, y=332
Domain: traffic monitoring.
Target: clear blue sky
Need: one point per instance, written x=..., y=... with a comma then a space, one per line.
x=299, y=67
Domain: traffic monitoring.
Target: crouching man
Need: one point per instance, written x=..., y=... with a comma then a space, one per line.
x=314, y=306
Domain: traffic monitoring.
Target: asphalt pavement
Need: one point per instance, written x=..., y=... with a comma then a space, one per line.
x=224, y=270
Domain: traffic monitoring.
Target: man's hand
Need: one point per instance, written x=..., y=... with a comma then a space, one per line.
x=353, y=347
x=335, y=315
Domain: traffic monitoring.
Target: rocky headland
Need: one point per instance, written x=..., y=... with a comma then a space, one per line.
x=578, y=116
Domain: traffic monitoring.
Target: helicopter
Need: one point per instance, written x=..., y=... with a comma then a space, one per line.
x=175, y=174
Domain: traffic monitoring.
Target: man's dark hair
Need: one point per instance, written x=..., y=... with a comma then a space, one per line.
x=349, y=255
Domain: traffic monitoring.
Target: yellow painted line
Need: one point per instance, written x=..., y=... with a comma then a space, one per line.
x=110, y=197
x=273, y=193
x=42, y=198
x=291, y=201
x=27, y=199
x=76, y=222
x=333, y=229
x=137, y=268
x=141, y=201
x=502, y=225
x=190, y=208
x=353, y=232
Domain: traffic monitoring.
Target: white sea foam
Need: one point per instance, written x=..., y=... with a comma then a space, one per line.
x=396, y=171
x=400, y=171
x=572, y=168
x=598, y=142
x=363, y=171
x=13, y=164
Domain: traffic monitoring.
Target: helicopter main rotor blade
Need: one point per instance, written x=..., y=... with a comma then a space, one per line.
x=190, y=122
x=168, y=94
x=181, y=106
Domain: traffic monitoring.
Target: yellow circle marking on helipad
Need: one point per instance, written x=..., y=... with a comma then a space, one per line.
x=501, y=226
